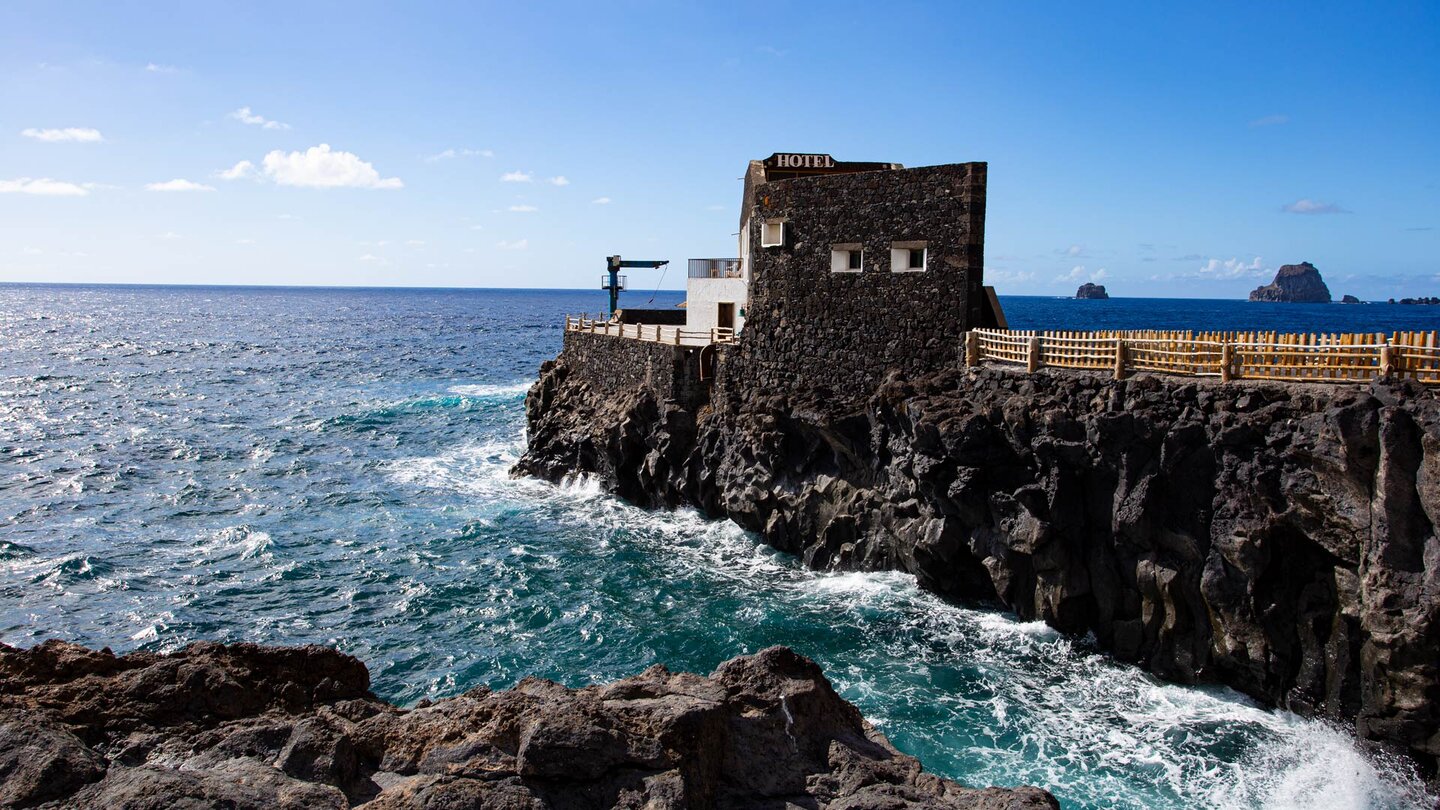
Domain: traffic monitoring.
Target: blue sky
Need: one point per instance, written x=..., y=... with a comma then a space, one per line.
x=1162, y=151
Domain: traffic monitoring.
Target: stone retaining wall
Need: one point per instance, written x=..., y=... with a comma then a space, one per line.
x=616, y=365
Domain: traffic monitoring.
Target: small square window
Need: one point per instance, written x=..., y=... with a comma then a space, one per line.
x=847, y=258
x=908, y=257
x=772, y=233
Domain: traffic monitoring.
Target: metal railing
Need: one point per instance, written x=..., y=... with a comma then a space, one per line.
x=1227, y=355
x=650, y=332
x=619, y=280
x=715, y=268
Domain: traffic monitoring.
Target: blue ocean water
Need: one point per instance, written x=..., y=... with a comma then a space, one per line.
x=319, y=465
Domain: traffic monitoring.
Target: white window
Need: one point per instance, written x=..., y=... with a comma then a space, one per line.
x=908, y=257
x=847, y=258
x=772, y=233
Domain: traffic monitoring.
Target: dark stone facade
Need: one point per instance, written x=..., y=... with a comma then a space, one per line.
x=839, y=334
x=665, y=317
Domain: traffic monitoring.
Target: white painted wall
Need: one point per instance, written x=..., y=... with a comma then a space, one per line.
x=703, y=294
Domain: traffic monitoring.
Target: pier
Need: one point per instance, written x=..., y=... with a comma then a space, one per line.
x=650, y=332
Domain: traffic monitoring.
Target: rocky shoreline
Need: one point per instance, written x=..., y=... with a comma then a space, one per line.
x=243, y=726
x=1276, y=538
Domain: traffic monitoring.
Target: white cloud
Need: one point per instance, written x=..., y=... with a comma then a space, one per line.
x=601, y=201
x=559, y=180
x=65, y=135
x=415, y=243
x=477, y=227
x=239, y=171
x=1312, y=207
x=1074, y=250
x=517, y=177
x=370, y=258
x=1270, y=121
x=1233, y=269
x=245, y=116
x=449, y=154
x=320, y=167
x=244, y=241
x=1079, y=273
x=518, y=244
x=154, y=68
x=31, y=251
x=43, y=187
x=169, y=236
x=523, y=209
x=178, y=184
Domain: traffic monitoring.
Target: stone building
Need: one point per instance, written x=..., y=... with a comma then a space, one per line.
x=845, y=272
x=849, y=270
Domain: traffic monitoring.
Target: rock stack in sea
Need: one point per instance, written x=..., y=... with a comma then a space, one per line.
x=1092, y=291
x=1294, y=284
x=243, y=726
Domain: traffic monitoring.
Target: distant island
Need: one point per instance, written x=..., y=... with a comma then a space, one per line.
x=1350, y=299
x=1095, y=291
x=1427, y=300
x=1294, y=284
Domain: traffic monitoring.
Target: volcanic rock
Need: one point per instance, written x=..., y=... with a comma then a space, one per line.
x=1092, y=291
x=1294, y=284
x=243, y=726
x=1278, y=538
x=1350, y=299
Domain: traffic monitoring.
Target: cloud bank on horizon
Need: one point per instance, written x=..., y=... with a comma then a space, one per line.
x=528, y=161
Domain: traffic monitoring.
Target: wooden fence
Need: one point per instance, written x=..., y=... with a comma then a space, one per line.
x=1227, y=355
x=654, y=333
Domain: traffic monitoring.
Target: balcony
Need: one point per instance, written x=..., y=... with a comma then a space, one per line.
x=619, y=281
x=715, y=268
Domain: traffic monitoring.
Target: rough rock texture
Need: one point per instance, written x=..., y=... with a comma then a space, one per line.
x=242, y=726
x=1279, y=539
x=1092, y=291
x=1294, y=284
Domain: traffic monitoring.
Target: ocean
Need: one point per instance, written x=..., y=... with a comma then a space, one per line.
x=290, y=466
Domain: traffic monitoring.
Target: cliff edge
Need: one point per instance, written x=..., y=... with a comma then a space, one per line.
x=1276, y=538
x=1294, y=284
x=242, y=726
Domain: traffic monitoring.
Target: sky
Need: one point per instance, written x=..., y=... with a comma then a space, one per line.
x=1159, y=149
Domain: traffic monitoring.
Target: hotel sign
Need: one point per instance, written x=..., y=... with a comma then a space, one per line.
x=791, y=160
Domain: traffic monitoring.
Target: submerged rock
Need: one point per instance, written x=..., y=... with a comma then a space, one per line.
x=243, y=726
x=1276, y=538
x=1294, y=284
x=1092, y=291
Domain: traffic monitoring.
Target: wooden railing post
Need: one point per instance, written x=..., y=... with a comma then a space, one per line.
x=677, y=336
x=1032, y=362
x=972, y=348
x=1227, y=362
x=1387, y=360
x=1121, y=355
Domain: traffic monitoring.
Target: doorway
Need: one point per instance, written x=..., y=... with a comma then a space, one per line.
x=725, y=315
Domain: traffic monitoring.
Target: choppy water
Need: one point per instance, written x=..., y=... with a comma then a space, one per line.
x=331, y=466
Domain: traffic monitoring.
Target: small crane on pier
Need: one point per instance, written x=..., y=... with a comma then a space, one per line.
x=615, y=282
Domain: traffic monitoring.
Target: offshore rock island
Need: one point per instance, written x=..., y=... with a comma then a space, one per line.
x=1294, y=284
x=242, y=726
x=1275, y=537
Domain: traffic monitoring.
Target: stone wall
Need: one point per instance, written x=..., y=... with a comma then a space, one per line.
x=838, y=334
x=613, y=365
x=674, y=316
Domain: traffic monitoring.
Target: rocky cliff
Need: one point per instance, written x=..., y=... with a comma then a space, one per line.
x=1294, y=284
x=1092, y=291
x=243, y=726
x=1279, y=539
